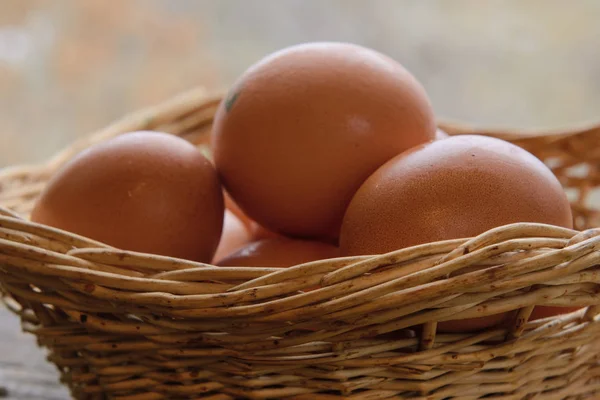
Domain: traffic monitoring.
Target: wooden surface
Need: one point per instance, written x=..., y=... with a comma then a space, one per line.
x=24, y=372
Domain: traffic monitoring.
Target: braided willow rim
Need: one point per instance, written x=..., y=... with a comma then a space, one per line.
x=130, y=326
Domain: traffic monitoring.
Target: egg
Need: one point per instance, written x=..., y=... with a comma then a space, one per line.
x=235, y=236
x=458, y=187
x=540, y=312
x=280, y=252
x=143, y=191
x=303, y=128
x=257, y=231
x=474, y=324
x=260, y=232
x=232, y=207
x=455, y=188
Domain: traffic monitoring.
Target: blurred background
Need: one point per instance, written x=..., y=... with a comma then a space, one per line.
x=70, y=67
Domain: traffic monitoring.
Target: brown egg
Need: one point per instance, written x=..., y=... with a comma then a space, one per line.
x=144, y=191
x=540, y=312
x=304, y=127
x=235, y=236
x=458, y=187
x=236, y=210
x=260, y=232
x=474, y=324
x=257, y=231
x=280, y=252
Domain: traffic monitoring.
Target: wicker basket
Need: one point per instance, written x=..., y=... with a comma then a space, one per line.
x=128, y=326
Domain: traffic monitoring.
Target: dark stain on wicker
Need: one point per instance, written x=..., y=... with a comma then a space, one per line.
x=128, y=326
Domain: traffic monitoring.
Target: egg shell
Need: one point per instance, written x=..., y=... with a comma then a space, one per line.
x=304, y=127
x=459, y=187
x=235, y=236
x=540, y=312
x=257, y=231
x=144, y=191
x=260, y=232
x=474, y=324
x=232, y=206
x=280, y=252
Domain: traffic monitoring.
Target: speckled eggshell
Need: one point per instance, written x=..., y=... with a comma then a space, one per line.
x=144, y=191
x=454, y=188
x=303, y=128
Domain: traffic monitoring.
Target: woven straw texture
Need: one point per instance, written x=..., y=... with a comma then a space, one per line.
x=129, y=326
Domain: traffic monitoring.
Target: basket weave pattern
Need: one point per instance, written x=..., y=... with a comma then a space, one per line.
x=130, y=326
